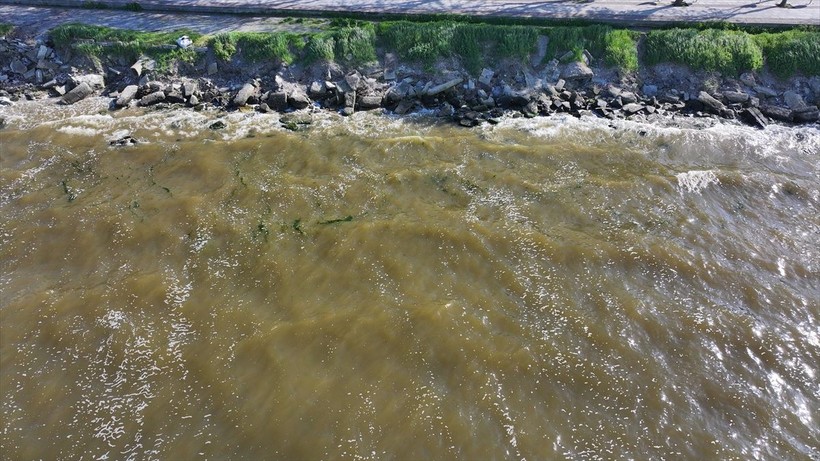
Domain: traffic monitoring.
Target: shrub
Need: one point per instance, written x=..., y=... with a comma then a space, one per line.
x=356, y=44
x=320, y=48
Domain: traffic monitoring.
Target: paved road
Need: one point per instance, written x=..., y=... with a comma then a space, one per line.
x=631, y=12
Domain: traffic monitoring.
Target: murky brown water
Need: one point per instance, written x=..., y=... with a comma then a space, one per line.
x=382, y=289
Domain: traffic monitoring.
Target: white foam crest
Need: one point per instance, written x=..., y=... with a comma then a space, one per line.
x=696, y=181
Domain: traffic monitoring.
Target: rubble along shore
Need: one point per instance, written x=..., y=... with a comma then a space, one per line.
x=37, y=70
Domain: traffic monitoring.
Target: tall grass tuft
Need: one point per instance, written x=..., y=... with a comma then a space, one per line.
x=791, y=52
x=257, y=47
x=727, y=51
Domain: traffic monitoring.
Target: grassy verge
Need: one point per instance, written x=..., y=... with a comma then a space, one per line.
x=733, y=52
x=100, y=41
x=475, y=44
x=5, y=29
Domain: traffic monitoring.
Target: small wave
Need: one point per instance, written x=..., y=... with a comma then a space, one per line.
x=696, y=180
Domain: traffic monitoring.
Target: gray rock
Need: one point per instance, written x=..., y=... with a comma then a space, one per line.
x=753, y=117
x=94, y=81
x=317, y=90
x=298, y=100
x=278, y=101
x=247, y=91
x=369, y=102
x=627, y=97
x=808, y=114
x=559, y=85
x=669, y=97
x=710, y=103
x=152, y=98
x=127, y=95
x=736, y=97
x=348, y=111
x=193, y=100
x=189, y=89
x=765, y=91
x=632, y=108
x=43, y=52
x=404, y=106
x=794, y=100
x=576, y=71
x=79, y=92
x=777, y=113
x=649, y=90
x=18, y=67
x=175, y=96
x=353, y=79
x=748, y=79
x=444, y=86
x=814, y=84
x=486, y=77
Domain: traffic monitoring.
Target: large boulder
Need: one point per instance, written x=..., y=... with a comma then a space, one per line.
x=298, y=99
x=278, y=101
x=576, y=71
x=369, y=102
x=777, y=113
x=78, y=93
x=247, y=92
x=126, y=95
x=152, y=98
x=94, y=81
x=808, y=114
x=710, y=103
x=753, y=117
x=794, y=100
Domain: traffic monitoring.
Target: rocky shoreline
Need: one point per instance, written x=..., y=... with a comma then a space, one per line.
x=37, y=71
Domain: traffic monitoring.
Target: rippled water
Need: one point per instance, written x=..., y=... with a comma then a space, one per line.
x=374, y=288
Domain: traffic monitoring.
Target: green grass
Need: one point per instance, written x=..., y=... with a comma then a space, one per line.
x=5, y=29
x=727, y=51
x=257, y=46
x=97, y=41
x=791, y=52
x=621, y=49
x=471, y=42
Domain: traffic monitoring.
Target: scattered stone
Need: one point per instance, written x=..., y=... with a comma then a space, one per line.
x=127, y=140
x=43, y=52
x=353, y=79
x=632, y=108
x=175, y=96
x=736, y=97
x=298, y=100
x=649, y=90
x=628, y=97
x=278, y=101
x=193, y=100
x=765, y=91
x=143, y=64
x=777, y=113
x=794, y=100
x=79, y=92
x=486, y=77
x=246, y=92
x=18, y=67
x=710, y=103
x=576, y=71
x=405, y=106
x=317, y=90
x=217, y=125
x=748, y=79
x=126, y=96
x=444, y=86
x=369, y=102
x=559, y=85
x=753, y=117
x=808, y=114
x=94, y=81
x=189, y=89
x=152, y=98
x=347, y=111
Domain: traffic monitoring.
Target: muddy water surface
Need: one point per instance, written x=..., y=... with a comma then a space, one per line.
x=373, y=288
